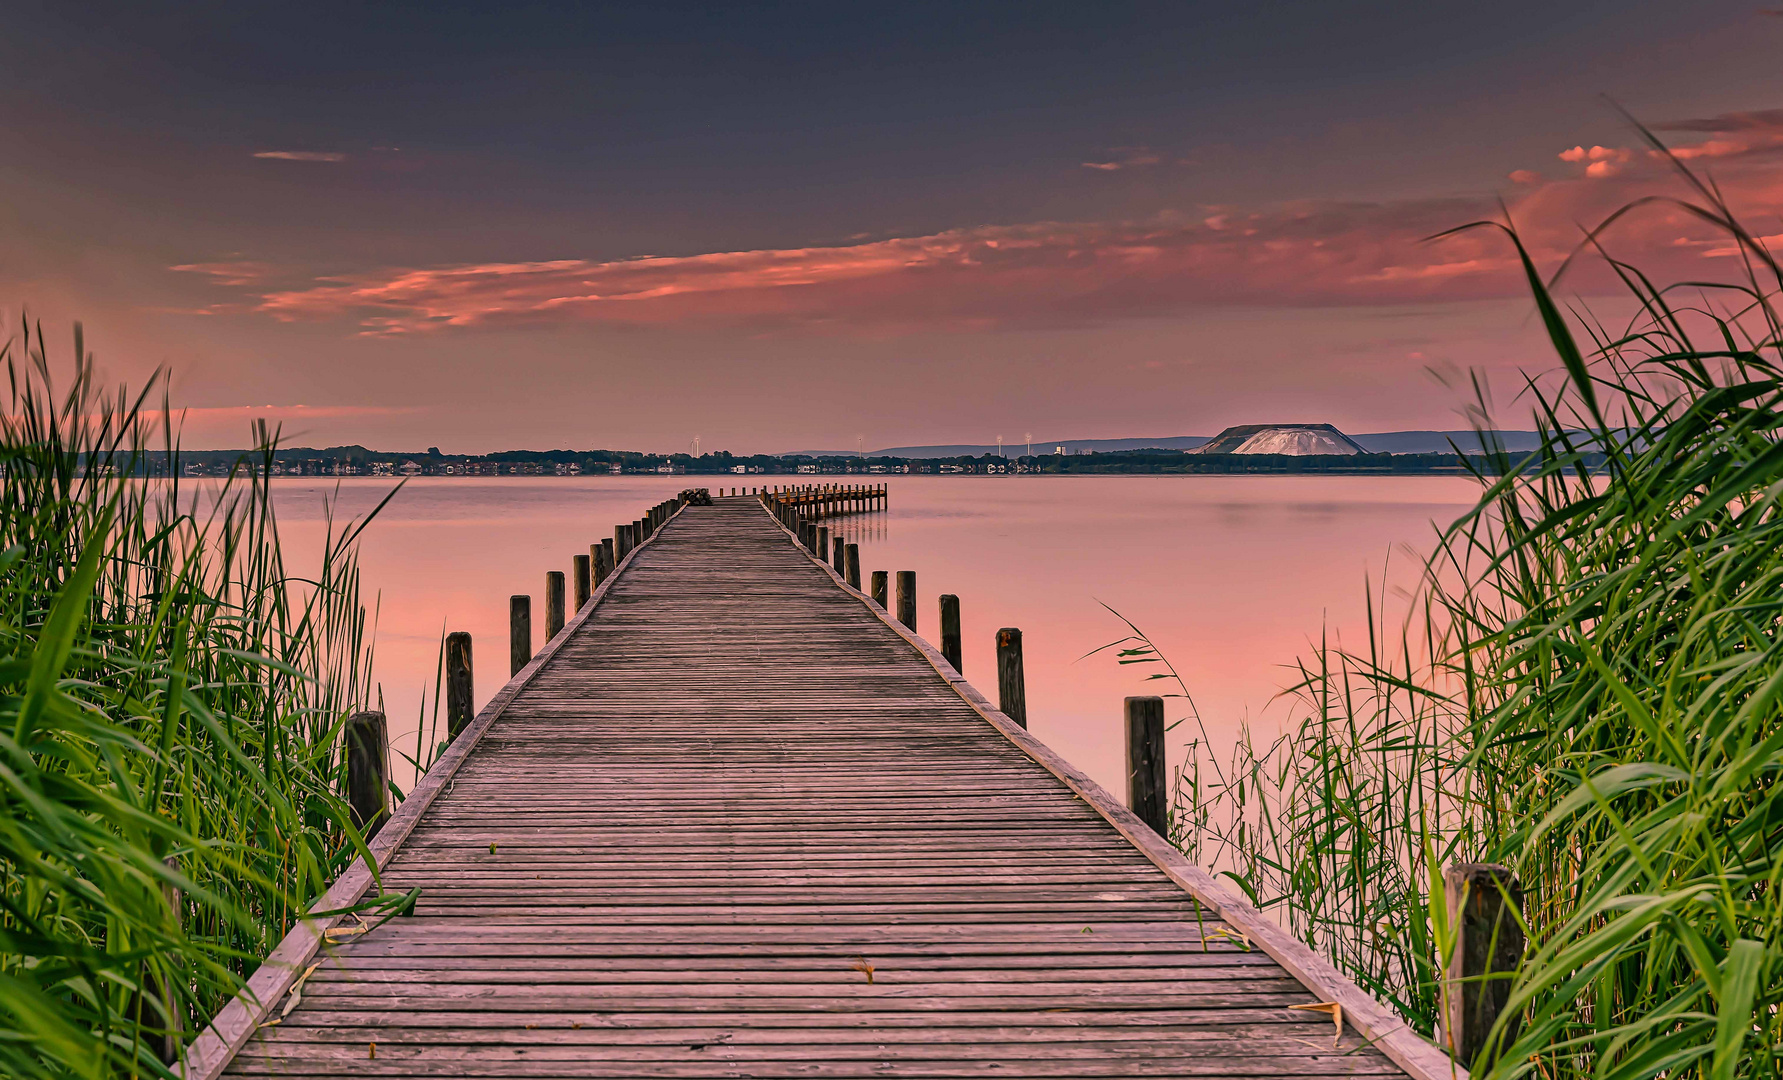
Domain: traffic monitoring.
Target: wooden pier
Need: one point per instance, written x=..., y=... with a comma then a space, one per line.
x=735, y=820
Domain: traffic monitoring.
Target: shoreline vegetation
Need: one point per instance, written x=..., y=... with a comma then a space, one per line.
x=170, y=761
x=1586, y=687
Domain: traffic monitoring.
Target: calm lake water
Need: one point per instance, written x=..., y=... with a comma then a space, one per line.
x=1234, y=577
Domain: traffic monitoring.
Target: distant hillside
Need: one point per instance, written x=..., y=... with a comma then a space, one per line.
x=1384, y=442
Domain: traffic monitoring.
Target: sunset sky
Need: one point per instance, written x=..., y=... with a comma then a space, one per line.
x=789, y=226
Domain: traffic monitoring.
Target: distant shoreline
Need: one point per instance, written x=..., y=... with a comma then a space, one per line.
x=724, y=469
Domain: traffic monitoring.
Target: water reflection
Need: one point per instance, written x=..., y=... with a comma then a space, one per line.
x=1232, y=576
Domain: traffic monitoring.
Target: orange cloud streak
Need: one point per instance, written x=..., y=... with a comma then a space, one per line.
x=1065, y=273
x=988, y=276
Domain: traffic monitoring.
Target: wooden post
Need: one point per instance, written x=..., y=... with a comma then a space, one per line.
x=519, y=633
x=881, y=592
x=950, y=629
x=1012, y=693
x=1483, y=900
x=839, y=556
x=607, y=562
x=853, y=559
x=1147, y=793
x=553, y=603
x=583, y=568
x=461, y=703
x=823, y=542
x=596, y=572
x=368, y=771
x=621, y=542
x=907, y=598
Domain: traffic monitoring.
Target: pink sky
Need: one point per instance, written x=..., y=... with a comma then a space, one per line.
x=791, y=279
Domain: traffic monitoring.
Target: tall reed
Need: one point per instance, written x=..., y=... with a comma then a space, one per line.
x=1588, y=688
x=169, y=728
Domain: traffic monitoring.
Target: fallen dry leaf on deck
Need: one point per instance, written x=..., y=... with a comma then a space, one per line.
x=296, y=994
x=860, y=964
x=1332, y=1009
x=372, y=1051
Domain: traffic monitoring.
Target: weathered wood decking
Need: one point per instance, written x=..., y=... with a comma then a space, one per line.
x=735, y=824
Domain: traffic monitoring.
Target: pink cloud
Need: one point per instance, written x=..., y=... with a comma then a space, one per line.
x=983, y=277
x=241, y=272
x=1052, y=273
x=1525, y=176
x=300, y=155
x=1125, y=157
x=1733, y=135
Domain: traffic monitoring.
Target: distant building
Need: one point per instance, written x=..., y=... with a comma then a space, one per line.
x=1296, y=440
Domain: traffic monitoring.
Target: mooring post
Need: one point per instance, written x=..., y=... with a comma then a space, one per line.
x=840, y=556
x=583, y=568
x=907, y=598
x=368, y=771
x=853, y=559
x=1012, y=693
x=596, y=572
x=641, y=530
x=950, y=629
x=621, y=542
x=823, y=543
x=461, y=704
x=519, y=633
x=881, y=591
x=1146, y=789
x=553, y=603
x=1484, y=901
x=607, y=561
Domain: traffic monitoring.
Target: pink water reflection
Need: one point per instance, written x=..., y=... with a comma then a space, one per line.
x=1232, y=576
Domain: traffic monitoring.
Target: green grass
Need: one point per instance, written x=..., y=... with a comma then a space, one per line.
x=169, y=728
x=1588, y=688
